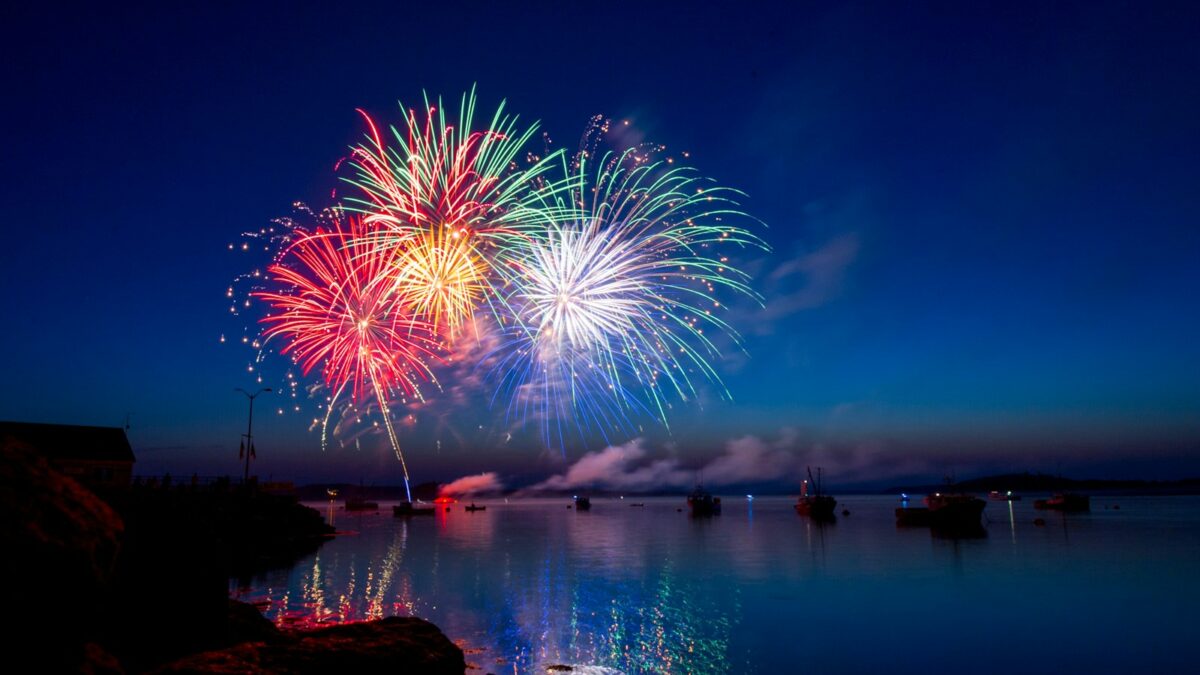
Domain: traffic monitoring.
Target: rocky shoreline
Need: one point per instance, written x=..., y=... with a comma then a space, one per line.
x=137, y=580
x=394, y=644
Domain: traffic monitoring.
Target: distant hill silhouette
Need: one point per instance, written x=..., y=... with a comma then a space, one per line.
x=1041, y=482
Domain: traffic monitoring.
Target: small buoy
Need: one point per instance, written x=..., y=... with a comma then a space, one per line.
x=678, y=510
x=568, y=506
x=1039, y=521
x=845, y=512
x=1116, y=507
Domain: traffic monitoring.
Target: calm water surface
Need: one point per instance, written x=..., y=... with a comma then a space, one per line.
x=531, y=583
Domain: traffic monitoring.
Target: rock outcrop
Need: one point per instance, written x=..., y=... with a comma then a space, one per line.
x=392, y=645
x=60, y=549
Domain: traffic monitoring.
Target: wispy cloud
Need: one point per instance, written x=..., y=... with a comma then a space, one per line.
x=807, y=280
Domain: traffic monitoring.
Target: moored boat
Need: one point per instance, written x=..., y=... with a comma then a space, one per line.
x=1064, y=501
x=361, y=505
x=818, y=506
x=703, y=504
x=1007, y=496
x=582, y=503
x=472, y=507
x=409, y=509
x=947, y=511
x=954, y=510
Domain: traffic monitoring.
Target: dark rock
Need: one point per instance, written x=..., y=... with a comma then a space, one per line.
x=391, y=645
x=204, y=537
x=60, y=547
x=247, y=624
x=97, y=661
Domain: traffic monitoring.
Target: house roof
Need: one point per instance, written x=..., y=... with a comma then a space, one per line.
x=65, y=441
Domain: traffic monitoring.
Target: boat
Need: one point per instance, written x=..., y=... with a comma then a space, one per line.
x=703, y=504
x=1064, y=501
x=358, y=501
x=582, y=503
x=358, y=504
x=998, y=496
x=953, y=511
x=410, y=509
x=818, y=506
x=472, y=507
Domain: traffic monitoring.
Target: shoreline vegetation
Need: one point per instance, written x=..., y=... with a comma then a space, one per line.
x=137, y=580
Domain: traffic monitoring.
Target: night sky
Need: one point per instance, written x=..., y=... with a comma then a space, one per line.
x=984, y=218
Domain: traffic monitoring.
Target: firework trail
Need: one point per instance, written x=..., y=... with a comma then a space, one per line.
x=610, y=306
x=338, y=311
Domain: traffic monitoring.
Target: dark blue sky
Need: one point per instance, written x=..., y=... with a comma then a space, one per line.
x=984, y=217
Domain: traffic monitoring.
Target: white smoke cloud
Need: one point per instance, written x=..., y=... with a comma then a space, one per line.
x=629, y=467
x=618, y=467
x=470, y=485
x=749, y=460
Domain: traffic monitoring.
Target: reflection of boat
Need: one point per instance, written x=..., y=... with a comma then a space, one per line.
x=817, y=505
x=703, y=504
x=996, y=495
x=1064, y=501
x=409, y=509
x=472, y=507
x=582, y=503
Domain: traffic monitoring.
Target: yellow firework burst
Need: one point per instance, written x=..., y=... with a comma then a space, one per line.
x=440, y=275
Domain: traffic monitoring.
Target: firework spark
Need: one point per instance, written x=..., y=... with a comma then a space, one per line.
x=611, y=307
x=441, y=275
x=454, y=198
x=338, y=311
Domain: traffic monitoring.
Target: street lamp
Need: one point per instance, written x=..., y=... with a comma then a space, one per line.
x=248, y=448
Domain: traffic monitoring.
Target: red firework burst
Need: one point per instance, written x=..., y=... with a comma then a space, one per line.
x=338, y=309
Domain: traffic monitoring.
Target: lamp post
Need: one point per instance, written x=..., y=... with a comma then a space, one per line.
x=248, y=451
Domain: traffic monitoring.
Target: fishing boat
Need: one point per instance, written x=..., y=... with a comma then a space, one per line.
x=582, y=503
x=943, y=510
x=954, y=510
x=1064, y=501
x=702, y=503
x=1008, y=496
x=472, y=507
x=404, y=509
x=817, y=506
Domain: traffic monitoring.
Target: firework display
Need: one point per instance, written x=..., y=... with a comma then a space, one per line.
x=596, y=277
x=610, y=304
